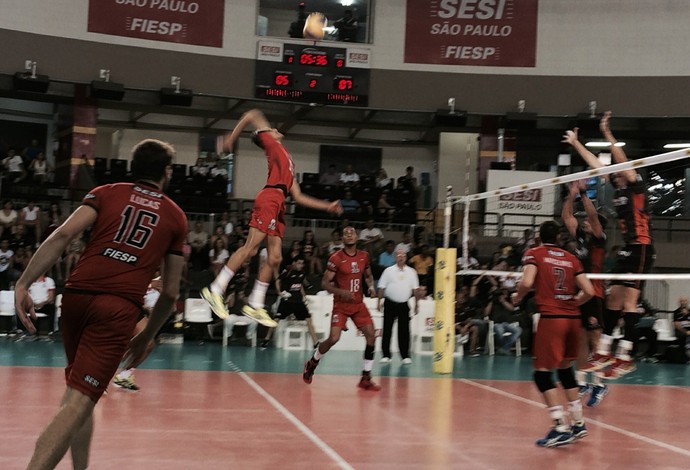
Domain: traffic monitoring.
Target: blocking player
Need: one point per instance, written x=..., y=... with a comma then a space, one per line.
x=560, y=287
x=590, y=249
x=290, y=284
x=343, y=279
x=134, y=227
x=267, y=220
x=125, y=379
x=637, y=257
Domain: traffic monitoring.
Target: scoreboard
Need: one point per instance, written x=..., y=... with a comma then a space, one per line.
x=312, y=74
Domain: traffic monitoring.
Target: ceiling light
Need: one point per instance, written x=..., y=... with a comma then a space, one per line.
x=603, y=144
x=677, y=146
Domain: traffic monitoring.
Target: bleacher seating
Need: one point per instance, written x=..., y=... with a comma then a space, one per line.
x=310, y=178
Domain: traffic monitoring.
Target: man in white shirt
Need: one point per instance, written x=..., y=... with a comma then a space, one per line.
x=370, y=238
x=349, y=178
x=42, y=292
x=15, y=166
x=398, y=283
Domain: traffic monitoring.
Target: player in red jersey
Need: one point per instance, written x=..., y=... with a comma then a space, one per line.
x=556, y=276
x=637, y=257
x=267, y=217
x=590, y=249
x=134, y=228
x=343, y=279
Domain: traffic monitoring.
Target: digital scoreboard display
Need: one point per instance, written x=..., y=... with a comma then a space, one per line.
x=312, y=74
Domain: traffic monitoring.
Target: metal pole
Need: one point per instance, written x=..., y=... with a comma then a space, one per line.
x=446, y=217
x=466, y=236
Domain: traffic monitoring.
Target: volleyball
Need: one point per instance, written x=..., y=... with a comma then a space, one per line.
x=314, y=25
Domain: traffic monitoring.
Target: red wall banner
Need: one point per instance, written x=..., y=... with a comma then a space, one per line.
x=472, y=32
x=197, y=22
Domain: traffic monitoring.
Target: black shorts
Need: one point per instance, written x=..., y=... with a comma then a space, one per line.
x=298, y=309
x=594, y=307
x=634, y=259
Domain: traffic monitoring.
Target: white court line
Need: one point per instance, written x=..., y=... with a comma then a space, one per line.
x=328, y=450
x=610, y=427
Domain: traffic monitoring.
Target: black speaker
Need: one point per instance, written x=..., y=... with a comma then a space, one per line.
x=444, y=118
x=521, y=120
x=24, y=82
x=501, y=166
x=172, y=97
x=107, y=90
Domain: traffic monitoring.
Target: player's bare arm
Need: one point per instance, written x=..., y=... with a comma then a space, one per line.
x=253, y=117
x=313, y=203
x=45, y=257
x=369, y=276
x=328, y=285
x=586, y=289
x=567, y=215
x=571, y=138
x=526, y=284
x=592, y=214
x=617, y=153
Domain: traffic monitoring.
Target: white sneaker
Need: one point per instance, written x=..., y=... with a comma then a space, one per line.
x=385, y=360
x=407, y=361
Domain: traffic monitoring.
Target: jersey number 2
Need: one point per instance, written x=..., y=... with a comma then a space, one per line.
x=136, y=227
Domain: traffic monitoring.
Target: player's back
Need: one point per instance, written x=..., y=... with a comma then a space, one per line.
x=136, y=226
x=281, y=168
x=554, y=285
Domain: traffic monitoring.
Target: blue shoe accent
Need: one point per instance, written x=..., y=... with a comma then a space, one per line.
x=598, y=394
x=555, y=439
x=584, y=390
x=579, y=430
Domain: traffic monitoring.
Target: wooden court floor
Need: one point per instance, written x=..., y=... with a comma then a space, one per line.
x=202, y=406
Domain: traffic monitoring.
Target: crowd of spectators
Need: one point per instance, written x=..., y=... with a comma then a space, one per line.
x=366, y=196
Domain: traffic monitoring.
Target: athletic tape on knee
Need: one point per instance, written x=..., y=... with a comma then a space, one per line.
x=543, y=380
x=567, y=378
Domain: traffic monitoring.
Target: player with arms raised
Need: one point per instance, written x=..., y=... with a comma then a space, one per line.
x=267, y=220
x=560, y=287
x=343, y=279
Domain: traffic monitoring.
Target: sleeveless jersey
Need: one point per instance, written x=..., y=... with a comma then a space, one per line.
x=135, y=227
x=348, y=273
x=632, y=210
x=554, y=285
x=591, y=252
x=281, y=169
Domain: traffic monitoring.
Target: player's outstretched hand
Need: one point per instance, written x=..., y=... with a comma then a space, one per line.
x=24, y=307
x=335, y=208
x=570, y=137
x=604, y=123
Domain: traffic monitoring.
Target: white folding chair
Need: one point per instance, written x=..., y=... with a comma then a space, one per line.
x=197, y=311
x=7, y=313
x=58, y=312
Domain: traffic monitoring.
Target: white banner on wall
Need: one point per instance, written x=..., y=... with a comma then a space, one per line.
x=510, y=214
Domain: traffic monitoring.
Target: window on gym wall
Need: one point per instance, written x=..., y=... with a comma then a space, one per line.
x=348, y=20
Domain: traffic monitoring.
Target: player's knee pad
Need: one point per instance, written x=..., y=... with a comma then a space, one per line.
x=369, y=353
x=543, y=380
x=567, y=378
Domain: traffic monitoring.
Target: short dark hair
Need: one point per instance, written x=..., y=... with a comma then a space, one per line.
x=548, y=231
x=150, y=158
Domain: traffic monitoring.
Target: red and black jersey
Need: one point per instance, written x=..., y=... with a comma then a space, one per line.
x=554, y=286
x=591, y=252
x=632, y=210
x=135, y=228
x=281, y=169
x=348, y=273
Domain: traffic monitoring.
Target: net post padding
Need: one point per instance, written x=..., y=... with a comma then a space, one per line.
x=444, y=315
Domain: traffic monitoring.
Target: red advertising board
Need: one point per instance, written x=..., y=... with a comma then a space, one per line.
x=197, y=22
x=472, y=32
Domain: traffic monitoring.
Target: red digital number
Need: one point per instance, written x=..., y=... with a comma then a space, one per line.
x=339, y=63
x=312, y=83
x=344, y=84
x=282, y=79
x=321, y=60
x=306, y=59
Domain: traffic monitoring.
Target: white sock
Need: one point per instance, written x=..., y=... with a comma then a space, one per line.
x=368, y=365
x=597, y=381
x=581, y=377
x=317, y=355
x=604, y=346
x=557, y=416
x=220, y=283
x=575, y=409
x=258, y=295
x=125, y=374
x=624, y=348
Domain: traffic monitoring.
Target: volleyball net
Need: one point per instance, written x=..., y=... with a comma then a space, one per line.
x=543, y=195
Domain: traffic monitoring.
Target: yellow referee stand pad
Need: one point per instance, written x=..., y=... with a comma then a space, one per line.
x=444, y=317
